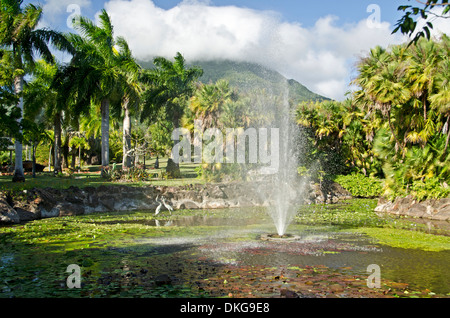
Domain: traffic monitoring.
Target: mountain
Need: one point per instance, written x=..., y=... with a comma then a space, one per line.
x=245, y=76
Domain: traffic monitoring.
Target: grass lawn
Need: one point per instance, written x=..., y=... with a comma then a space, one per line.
x=90, y=177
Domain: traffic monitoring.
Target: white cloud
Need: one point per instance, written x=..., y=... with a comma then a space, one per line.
x=318, y=57
x=440, y=25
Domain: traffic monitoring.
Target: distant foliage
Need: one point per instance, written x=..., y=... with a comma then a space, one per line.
x=133, y=174
x=217, y=172
x=337, y=138
x=396, y=124
x=360, y=186
x=431, y=188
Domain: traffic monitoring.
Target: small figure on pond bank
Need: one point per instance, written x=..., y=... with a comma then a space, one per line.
x=168, y=207
x=161, y=203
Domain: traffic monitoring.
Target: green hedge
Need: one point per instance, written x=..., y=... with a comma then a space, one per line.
x=359, y=185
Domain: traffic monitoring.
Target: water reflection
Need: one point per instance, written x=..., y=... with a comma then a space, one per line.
x=237, y=242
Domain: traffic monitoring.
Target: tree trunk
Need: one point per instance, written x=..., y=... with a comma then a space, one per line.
x=79, y=159
x=448, y=138
x=34, y=148
x=65, y=152
x=173, y=168
x=18, y=170
x=105, y=135
x=74, y=156
x=50, y=159
x=393, y=131
x=126, y=162
x=57, y=150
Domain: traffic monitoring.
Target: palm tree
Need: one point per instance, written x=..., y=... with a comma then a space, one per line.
x=9, y=113
x=169, y=86
x=132, y=91
x=96, y=72
x=209, y=101
x=18, y=33
x=423, y=60
x=40, y=101
x=234, y=114
x=382, y=79
x=440, y=99
x=91, y=124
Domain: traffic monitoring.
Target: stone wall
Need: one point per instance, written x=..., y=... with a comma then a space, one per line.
x=428, y=209
x=48, y=202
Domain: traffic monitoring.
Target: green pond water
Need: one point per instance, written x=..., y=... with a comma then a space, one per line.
x=219, y=253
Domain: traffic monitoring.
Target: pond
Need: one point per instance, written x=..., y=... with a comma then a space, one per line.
x=220, y=253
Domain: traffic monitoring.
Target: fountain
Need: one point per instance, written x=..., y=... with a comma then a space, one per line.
x=282, y=210
x=279, y=238
x=283, y=185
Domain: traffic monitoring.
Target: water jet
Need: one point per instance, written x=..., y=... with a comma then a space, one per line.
x=284, y=182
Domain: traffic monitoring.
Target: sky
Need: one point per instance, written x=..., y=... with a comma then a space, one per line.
x=317, y=43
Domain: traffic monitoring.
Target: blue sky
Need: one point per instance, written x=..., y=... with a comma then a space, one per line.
x=300, y=11
x=307, y=12
x=314, y=42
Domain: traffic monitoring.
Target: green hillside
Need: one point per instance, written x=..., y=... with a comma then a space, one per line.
x=249, y=76
x=246, y=77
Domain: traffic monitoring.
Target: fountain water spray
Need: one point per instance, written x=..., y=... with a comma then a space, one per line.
x=273, y=110
x=282, y=210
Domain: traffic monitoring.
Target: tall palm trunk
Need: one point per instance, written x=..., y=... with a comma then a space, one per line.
x=18, y=170
x=74, y=158
x=173, y=167
x=79, y=158
x=58, y=142
x=105, y=135
x=176, y=125
x=126, y=162
x=448, y=137
x=33, y=158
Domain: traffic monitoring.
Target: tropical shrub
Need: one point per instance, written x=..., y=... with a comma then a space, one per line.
x=421, y=171
x=133, y=174
x=359, y=185
x=215, y=172
x=406, y=89
x=337, y=137
x=430, y=188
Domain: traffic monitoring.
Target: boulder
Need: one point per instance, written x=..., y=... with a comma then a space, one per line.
x=408, y=206
x=47, y=198
x=26, y=215
x=216, y=192
x=417, y=210
x=48, y=202
x=214, y=204
x=187, y=204
x=70, y=209
x=108, y=201
x=7, y=214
